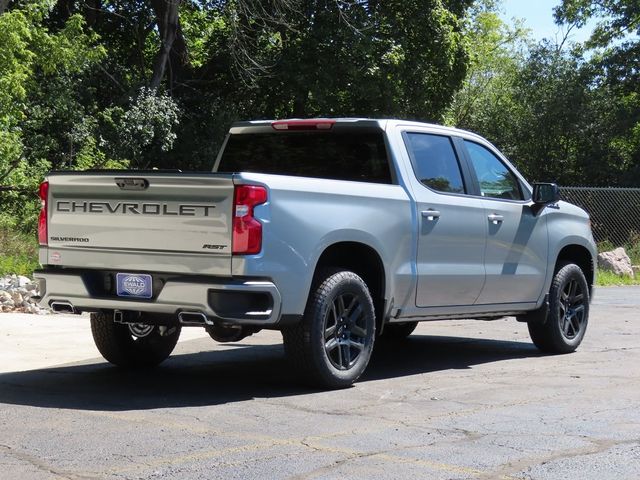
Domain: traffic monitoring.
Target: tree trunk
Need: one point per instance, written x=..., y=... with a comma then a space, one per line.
x=66, y=8
x=91, y=11
x=172, y=54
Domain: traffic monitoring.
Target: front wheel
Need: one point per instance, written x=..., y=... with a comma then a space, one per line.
x=133, y=345
x=568, y=316
x=332, y=344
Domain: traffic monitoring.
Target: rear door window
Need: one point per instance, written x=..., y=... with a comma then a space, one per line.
x=435, y=162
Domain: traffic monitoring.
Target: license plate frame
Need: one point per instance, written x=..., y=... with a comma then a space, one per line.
x=134, y=285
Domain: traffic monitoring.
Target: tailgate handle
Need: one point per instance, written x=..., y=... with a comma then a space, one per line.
x=132, y=183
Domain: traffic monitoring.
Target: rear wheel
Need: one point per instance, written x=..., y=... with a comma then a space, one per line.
x=133, y=345
x=332, y=344
x=568, y=316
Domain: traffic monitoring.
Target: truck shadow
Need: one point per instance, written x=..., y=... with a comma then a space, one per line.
x=232, y=375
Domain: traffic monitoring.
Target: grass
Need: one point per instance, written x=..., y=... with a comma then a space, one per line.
x=18, y=252
x=610, y=279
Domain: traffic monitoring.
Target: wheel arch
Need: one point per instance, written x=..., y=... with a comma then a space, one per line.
x=581, y=256
x=362, y=260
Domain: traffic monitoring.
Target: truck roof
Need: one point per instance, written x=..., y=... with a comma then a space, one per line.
x=263, y=125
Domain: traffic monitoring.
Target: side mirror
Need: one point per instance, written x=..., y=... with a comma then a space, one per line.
x=545, y=194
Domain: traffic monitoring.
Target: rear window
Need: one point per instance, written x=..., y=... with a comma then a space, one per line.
x=345, y=155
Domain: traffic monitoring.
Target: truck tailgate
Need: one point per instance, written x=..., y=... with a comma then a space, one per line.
x=172, y=222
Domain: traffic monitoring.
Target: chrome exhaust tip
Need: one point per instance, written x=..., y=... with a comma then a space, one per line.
x=62, y=307
x=194, y=318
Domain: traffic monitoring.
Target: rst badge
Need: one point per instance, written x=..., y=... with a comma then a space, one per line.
x=137, y=285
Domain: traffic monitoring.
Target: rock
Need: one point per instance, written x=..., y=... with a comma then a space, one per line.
x=31, y=308
x=616, y=261
x=16, y=295
x=17, y=298
x=5, y=297
x=8, y=304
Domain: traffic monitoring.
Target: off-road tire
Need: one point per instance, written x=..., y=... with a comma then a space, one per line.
x=568, y=316
x=332, y=345
x=119, y=346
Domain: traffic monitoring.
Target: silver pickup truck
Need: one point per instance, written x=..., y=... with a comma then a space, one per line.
x=338, y=232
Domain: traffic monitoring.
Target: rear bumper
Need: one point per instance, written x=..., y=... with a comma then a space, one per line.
x=232, y=301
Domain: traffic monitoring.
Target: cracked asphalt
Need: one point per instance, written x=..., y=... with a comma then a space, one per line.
x=457, y=400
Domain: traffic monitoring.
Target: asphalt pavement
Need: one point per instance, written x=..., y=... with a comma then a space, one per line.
x=457, y=400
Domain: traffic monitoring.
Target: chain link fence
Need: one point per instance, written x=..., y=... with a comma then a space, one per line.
x=615, y=213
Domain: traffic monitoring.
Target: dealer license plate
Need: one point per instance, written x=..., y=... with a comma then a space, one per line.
x=136, y=285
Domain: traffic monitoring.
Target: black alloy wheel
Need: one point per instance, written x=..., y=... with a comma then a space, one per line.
x=332, y=345
x=345, y=331
x=566, y=323
x=572, y=309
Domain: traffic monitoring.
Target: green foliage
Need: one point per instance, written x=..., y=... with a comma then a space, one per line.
x=633, y=248
x=617, y=18
x=36, y=69
x=148, y=123
x=18, y=252
x=15, y=66
x=352, y=58
x=559, y=115
x=615, y=75
x=496, y=54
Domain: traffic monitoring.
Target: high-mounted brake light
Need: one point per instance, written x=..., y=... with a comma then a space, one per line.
x=247, y=230
x=43, y=237
x=311, y=124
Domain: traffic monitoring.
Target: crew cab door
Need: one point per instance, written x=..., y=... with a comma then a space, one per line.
x=452, y=226
x=517, y=245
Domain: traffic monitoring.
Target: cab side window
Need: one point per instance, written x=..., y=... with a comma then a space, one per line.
x=435, y=162
x=496, y=180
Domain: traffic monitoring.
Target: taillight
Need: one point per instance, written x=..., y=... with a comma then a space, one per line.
x=43, y=237
x=247, y=231
x=312, y=124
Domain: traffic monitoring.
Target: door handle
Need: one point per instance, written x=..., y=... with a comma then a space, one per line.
x=495, y=218
x=430, y=215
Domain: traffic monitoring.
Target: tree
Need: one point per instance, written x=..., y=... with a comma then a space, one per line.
x=496, y=53
x=615, y=71
x=617, y=18
x=558, y=114
x=30, y=59
x=389, y=58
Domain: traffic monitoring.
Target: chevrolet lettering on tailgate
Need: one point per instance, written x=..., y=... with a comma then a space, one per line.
x=134, y=208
